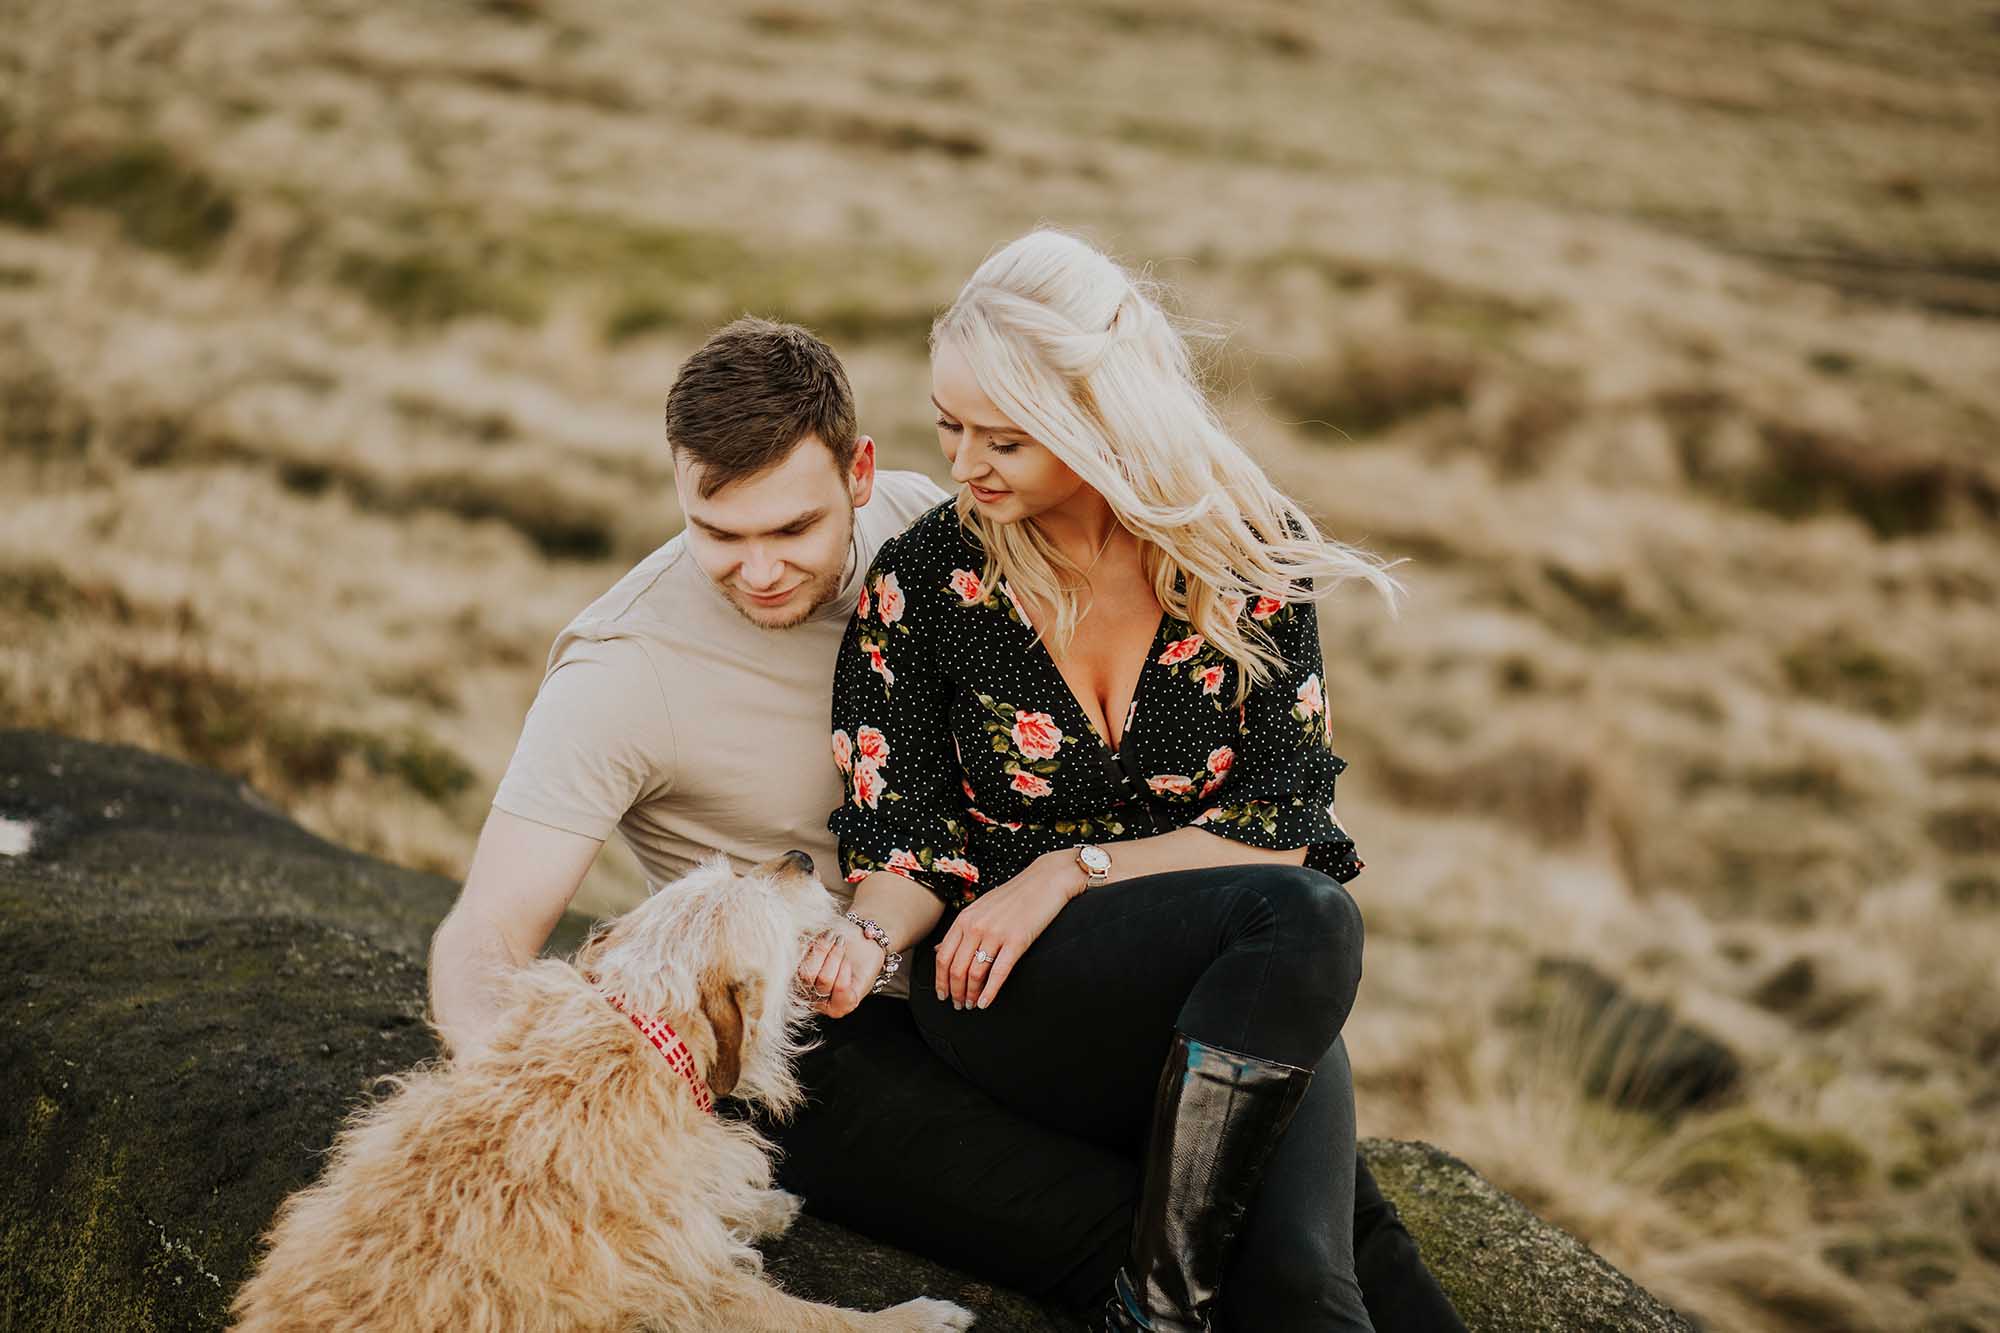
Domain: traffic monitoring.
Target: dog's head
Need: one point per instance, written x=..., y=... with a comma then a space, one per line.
x=715, y=954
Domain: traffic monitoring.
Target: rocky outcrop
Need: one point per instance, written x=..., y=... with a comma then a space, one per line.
x=196, y=990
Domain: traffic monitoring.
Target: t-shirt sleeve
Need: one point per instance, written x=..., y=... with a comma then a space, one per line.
x=597, y=741
x=1279, y=792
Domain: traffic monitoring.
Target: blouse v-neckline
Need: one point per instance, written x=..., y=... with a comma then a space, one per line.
x=1114, y=752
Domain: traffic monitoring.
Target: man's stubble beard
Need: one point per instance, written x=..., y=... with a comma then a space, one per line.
x=815, y=595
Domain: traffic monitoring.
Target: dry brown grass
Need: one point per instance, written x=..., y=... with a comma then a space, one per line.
x=332, y=345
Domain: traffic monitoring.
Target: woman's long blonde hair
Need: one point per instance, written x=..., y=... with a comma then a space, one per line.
x=1080, y=355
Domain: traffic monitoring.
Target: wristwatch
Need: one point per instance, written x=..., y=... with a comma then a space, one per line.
x=891, y=960
x=1096, y=863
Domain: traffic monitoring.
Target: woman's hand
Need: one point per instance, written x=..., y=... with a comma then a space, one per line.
x=839, y=969
x=1001, y=924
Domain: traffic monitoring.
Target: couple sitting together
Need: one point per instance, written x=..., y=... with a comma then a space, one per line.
x=1082, y=780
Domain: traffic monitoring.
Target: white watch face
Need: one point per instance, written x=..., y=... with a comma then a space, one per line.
x=1096, y=860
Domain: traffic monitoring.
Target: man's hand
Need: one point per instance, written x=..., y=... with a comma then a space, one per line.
x=1001, y=924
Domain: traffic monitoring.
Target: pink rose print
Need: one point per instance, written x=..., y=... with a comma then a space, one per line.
x=1210, y=678
x=1031, y=785
x=871, y=745
x=1311, y=699
x=875, y=661
x=966, y=585
x=1181, y=651
x=1037, y=735
x=1265, y=608
x=902, y=863
x=861, y=610
x=965, y=786
x=1170, y=784
x=868, y=784
x=952, y=865
x=1206, y=815
x=1208, y=787
x=843, y=750
x=1221, y=761
x=856, y=876
x=889, y=599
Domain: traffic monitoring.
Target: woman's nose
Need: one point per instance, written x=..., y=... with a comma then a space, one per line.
x=966, y=463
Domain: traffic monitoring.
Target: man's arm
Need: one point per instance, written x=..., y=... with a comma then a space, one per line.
x=522, y=878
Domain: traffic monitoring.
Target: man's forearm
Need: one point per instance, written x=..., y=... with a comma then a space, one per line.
x=469, y=957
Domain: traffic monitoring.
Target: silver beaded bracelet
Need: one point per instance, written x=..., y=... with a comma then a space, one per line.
x=891, y=960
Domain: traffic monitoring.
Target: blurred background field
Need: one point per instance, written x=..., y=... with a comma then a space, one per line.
x=1663, y=337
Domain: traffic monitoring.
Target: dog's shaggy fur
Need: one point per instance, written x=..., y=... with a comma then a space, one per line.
x=564, y=1177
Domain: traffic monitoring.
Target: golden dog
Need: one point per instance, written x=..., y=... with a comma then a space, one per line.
x=568, y=1176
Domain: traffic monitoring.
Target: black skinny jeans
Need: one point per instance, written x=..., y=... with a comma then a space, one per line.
x=1259, y=959
x=901, y=1145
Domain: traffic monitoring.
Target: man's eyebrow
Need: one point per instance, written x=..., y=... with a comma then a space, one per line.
x=976, y=425
x=806, y=519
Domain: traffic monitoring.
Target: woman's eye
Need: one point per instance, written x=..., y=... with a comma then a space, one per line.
x=1004, y=446
x=949, y=425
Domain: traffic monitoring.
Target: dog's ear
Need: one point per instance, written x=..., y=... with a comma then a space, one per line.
x=732, y=1006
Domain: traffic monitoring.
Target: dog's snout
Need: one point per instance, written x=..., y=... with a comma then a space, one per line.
x=798, y=861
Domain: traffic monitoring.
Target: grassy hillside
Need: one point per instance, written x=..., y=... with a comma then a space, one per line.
x=1663, y=338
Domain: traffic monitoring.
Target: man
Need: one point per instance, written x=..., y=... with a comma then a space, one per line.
x=688, y=709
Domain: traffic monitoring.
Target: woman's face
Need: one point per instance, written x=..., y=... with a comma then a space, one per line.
x=1009, y=474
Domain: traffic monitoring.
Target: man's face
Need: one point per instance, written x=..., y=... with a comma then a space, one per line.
x=776, y=543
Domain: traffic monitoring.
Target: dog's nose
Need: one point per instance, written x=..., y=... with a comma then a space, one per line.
x=798, y=861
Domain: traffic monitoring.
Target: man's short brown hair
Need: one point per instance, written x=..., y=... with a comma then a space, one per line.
x=743, y=402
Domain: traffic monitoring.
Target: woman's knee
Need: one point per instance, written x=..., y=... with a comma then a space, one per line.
x=1312, y=906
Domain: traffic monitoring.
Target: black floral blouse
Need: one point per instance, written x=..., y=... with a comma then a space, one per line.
x=965, y=755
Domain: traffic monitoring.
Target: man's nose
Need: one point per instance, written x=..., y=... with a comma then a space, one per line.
x=761, y=568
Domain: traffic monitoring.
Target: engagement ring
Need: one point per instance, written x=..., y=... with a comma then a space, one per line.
x=981, y=956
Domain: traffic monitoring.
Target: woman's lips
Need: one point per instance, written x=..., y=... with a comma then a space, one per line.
x=983, y=495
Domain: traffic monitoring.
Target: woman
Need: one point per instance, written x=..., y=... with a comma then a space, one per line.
x=1085, y=738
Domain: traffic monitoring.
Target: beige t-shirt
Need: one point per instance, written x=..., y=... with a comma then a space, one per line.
x=667, y=715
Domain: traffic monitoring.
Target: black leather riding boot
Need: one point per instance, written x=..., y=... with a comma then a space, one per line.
x=1216, y=1117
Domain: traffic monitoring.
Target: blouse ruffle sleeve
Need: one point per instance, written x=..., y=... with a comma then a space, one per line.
x=1278, y=789
x=892, y=740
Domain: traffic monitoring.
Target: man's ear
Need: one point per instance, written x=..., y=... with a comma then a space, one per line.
x=861, y=472
x=732, y=1007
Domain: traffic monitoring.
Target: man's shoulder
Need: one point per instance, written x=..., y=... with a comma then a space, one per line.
x=900, y=499
x=643, y=593
x=932, y=535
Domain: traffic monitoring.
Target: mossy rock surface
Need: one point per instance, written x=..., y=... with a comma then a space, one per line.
x=197, y=990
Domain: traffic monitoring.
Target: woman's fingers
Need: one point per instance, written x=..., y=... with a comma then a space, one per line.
x=947, y=952
x=814, y=959
x=970, y=968
x=828, y=975
x=1003, y=963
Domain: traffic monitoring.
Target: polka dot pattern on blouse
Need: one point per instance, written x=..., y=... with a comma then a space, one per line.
x=965, y=755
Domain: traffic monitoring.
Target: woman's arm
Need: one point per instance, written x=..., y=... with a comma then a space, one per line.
x=1276, y=806
x=1007, y=919
x=901, y=826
